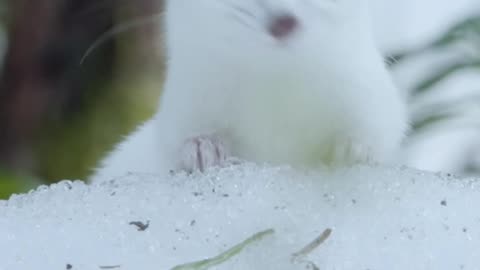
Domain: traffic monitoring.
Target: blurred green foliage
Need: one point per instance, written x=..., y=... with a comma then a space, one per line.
x=463, y=36
x=11, y=183
x=92, y=133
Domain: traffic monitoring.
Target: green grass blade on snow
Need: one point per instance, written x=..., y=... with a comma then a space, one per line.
x=225, y=256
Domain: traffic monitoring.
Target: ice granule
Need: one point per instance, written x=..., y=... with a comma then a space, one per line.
x=381, y=218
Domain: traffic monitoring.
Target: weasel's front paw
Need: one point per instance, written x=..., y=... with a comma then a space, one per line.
x=201, y=152
x=350, y=152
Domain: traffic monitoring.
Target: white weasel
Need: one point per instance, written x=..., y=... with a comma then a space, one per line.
x=296, y=82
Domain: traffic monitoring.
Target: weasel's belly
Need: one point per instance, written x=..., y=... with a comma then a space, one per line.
x=300, y=119
x=294, y=145
x=285, y=126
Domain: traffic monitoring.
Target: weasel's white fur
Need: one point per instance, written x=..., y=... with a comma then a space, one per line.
x=323, y=95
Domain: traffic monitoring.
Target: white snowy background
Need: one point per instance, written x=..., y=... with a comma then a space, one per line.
x=401, y=25
x=381, y=218
x=411, y=23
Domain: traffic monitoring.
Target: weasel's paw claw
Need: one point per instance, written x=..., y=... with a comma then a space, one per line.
x=201, y=152
x=351, y=153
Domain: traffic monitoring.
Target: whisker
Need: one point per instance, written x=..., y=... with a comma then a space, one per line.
x=124, y=27
x=244, y=11
x=391, y=60
x=242, y=15
x=243, y=21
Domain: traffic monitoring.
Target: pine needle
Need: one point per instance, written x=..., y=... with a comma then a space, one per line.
x=225, y=256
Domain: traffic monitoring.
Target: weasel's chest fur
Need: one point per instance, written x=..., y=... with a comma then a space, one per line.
x=284, y=118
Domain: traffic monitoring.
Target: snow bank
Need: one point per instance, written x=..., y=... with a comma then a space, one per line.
x=380, y=218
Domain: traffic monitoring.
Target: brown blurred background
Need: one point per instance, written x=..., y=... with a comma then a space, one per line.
x=59, y=114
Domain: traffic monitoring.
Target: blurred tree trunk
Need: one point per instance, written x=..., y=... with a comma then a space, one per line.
x=24, y=93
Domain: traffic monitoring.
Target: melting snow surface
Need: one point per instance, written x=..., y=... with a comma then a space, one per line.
x=380, y=218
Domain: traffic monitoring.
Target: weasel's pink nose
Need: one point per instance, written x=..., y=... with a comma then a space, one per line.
x=282, y=26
